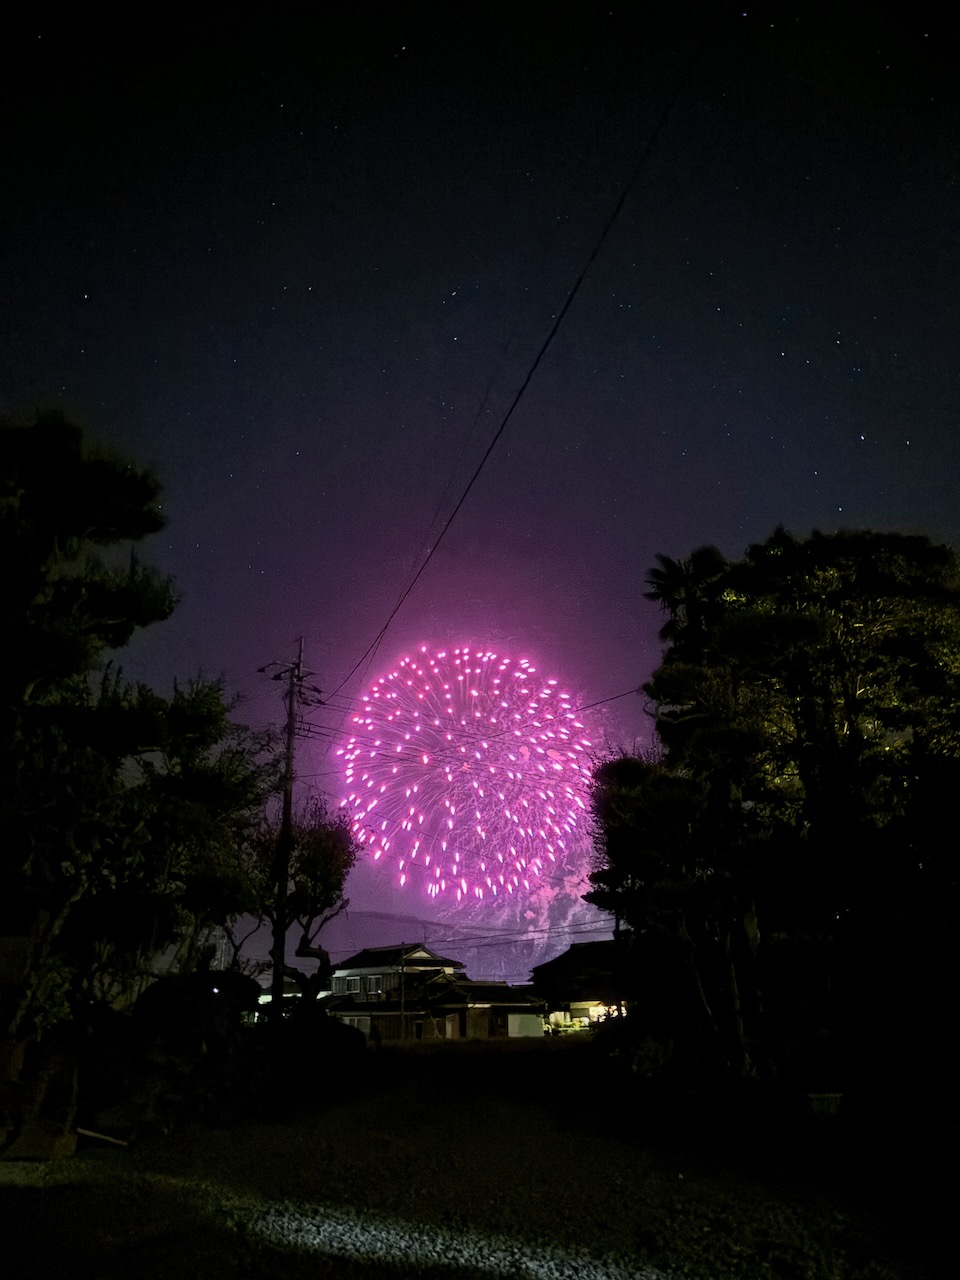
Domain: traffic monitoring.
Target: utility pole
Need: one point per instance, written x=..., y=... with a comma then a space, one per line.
x=294, y=677
x=403, y=1032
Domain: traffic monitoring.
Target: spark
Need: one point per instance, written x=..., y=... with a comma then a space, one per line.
x=433, y=732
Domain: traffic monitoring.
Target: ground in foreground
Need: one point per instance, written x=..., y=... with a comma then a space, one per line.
x=524, y=1162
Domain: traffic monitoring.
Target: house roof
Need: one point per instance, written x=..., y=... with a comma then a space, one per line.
x=438, y=990
x=412, y=954
x=596, y=970
x=580, y=957
x=497, y=993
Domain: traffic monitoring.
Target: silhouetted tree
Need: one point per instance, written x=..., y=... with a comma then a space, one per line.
x=323, y=853
x=117, y=805
x=657, y=870
x=807, y=706
x=65, y=603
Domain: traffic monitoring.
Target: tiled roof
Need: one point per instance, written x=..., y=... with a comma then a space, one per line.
x=580, y=956
x=412, y=954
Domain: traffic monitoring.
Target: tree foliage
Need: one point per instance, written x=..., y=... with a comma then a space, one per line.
x=119, y=808
x=62, y=505
x=808, y=715
x=322, y=854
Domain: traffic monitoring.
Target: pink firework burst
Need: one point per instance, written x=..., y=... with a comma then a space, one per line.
x=469, y=772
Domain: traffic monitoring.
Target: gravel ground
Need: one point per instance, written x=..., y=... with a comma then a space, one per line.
x=470, y=1164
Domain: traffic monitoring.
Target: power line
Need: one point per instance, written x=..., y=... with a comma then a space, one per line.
x=603, y=701
x=561, y=315
x=310, y=730
x=494, y=939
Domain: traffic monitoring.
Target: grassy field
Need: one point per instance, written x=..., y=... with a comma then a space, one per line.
x=522, y=1161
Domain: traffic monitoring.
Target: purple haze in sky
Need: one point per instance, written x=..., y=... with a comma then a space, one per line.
x=302, y=264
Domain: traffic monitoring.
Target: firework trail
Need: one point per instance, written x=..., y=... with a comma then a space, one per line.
x=469, y=774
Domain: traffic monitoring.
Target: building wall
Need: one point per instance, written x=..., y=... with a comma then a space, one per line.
x=479, y=1023
x=412, y=1028
x=524, y=1024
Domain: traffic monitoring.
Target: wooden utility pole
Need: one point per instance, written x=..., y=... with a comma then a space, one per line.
x=294, y=675
x=403, y=1014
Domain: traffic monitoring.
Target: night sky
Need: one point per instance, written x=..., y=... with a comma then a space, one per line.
x=302, y=265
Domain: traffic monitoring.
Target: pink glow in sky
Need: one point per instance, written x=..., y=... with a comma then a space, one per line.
x=469, y=773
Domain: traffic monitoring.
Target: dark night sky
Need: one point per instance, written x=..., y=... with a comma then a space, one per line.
x=301, y=266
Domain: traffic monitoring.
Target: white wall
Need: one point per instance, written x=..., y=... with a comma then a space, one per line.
x=524, y=1024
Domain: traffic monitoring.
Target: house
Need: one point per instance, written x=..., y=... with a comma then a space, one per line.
x=584, y=984
x=410, y=993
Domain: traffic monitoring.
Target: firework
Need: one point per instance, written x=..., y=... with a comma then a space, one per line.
x=469, y=773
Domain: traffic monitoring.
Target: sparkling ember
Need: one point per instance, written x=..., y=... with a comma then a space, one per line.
x=470, y=772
